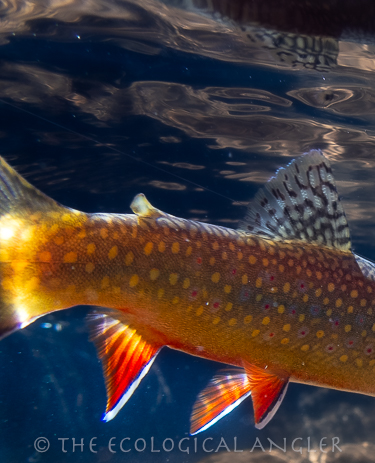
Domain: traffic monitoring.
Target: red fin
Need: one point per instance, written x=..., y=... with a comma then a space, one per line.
x=225, y=392
x=219, y=398
x=125, y=357
x=267, y=391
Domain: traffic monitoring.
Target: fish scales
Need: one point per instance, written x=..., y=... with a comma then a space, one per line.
x=296, y=310
x=231, y=296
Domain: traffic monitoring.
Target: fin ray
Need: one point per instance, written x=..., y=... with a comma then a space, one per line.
x=300, y=203
x=227, y=391
x=18, y=201
x=268, y=390
x=126, y=358
x=220, y=397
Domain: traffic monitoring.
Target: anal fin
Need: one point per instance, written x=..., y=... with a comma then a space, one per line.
x=227, y=391
x=126, y=358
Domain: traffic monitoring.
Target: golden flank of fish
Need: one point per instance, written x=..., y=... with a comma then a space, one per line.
x=282, y=299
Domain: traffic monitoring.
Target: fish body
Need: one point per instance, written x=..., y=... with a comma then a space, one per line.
x=283, y=298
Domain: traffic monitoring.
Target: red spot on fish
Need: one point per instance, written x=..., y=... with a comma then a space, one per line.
x=199, y=260
x=315, y=310
x=303, y=332
x=369, y=350
x=350, y=342
x=234, y=271
x=271, y=335
x=216, y=305
x=194, y=293
x=330, y=348
x=267, y=306
x=360, y=319
x=272, y=278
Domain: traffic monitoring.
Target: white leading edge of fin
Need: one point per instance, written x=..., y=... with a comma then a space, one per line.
x=268, y=417
x=112, y=413
x=222, y=414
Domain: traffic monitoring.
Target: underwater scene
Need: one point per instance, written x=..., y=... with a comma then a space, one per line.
x=196, y=104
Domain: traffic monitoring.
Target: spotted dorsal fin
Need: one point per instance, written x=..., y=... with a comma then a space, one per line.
x=300, y=203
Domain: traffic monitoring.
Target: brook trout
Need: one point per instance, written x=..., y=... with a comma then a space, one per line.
x=282, y=299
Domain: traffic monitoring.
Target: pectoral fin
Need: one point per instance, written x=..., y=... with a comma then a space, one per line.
x=225, y=392
x=126, y=358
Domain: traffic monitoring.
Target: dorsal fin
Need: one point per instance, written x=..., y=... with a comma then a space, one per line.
x=300, y=203
x=143, y=208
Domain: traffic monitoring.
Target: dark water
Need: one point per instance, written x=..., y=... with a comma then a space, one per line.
x=196, y=106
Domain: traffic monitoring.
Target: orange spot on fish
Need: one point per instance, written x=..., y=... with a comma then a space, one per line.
x=148, y=248
x=281, y=309
x=252, y=260
x=70, y=257
x=227, y=289
x=129, y=258
x=331, y=287
x=45, y=256
x=91, y=248
x=247, y=319
x=89, y=267
x=59, y=240
x=113, y=252
x=154, y=273
x=134, y=280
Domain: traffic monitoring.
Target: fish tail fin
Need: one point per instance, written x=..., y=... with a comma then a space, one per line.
x=22, y=208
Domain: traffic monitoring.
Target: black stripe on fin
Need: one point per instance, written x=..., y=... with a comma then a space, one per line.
x=300, y=203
